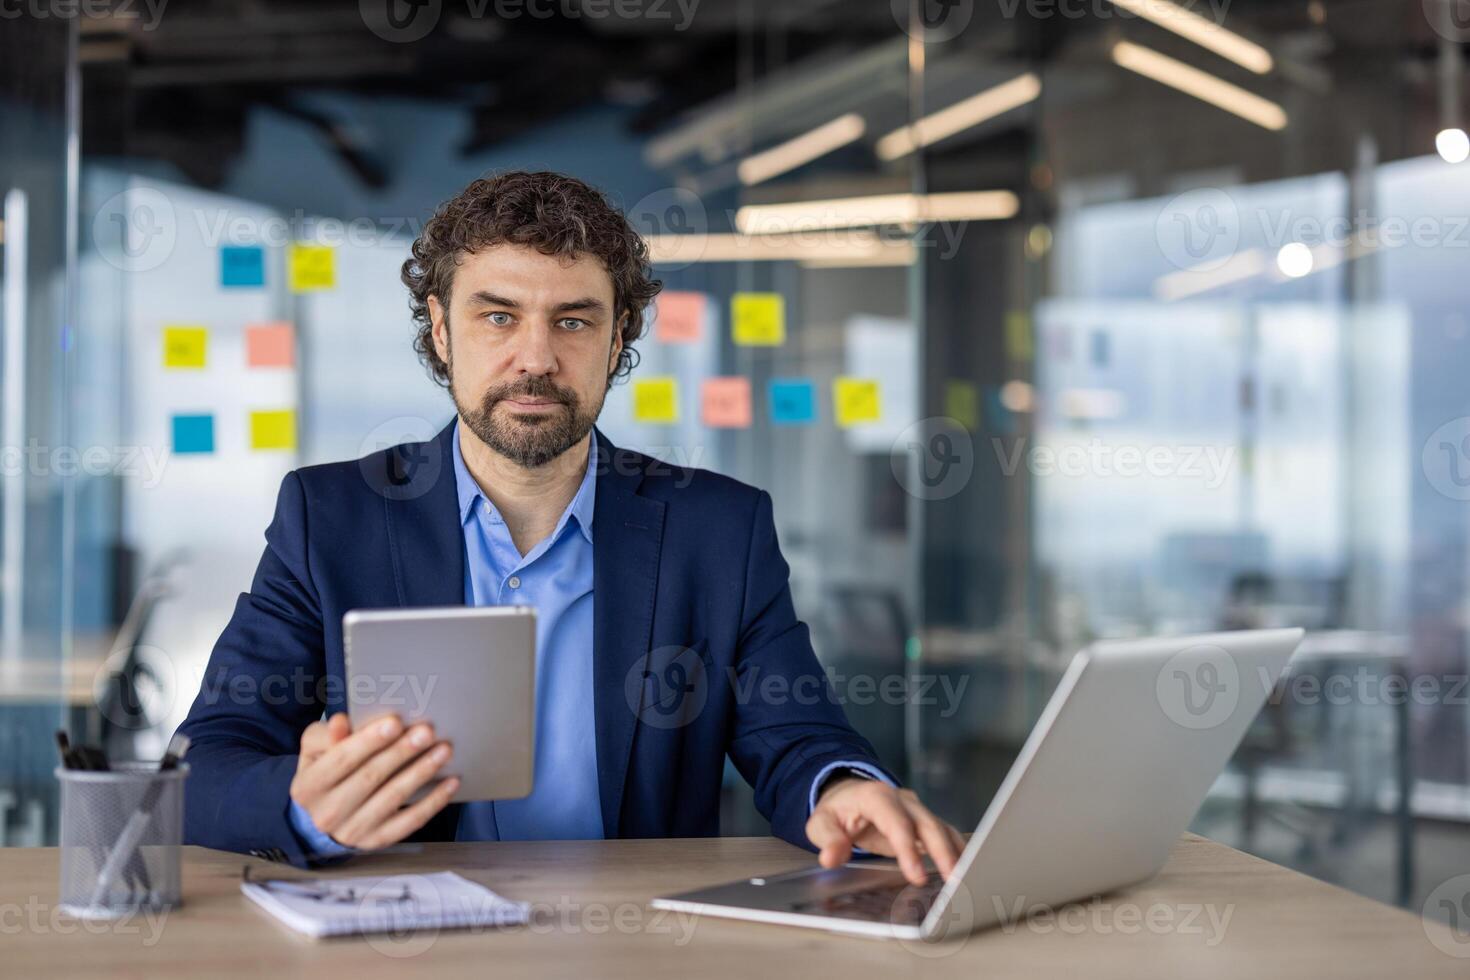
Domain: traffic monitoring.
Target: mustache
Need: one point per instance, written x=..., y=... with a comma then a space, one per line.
x=532, y=386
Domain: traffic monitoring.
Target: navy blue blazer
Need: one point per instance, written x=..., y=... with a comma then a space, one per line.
x=697, y=650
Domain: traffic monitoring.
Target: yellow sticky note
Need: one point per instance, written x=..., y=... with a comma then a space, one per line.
x=758, y=319
x=311, y=267
x=184, y=347
x=656, y=400
x=962, y=403
x=273, y=430
x=855, y=401
x=1019, y=346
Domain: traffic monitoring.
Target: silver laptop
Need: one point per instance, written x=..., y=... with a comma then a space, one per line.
x=1116, y=767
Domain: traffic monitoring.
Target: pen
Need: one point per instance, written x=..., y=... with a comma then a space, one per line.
x=132, y=832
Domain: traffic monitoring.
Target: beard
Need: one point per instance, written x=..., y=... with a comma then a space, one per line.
x=529, y=439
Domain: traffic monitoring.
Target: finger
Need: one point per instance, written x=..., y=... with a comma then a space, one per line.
x=339, y=726
x=367, y=818
x=409, y=819
x=937, y=843
x=344, y=758
x=958, y=838
x=825, y=832
x=897, y=827
x=315, y=740
x=346, y=797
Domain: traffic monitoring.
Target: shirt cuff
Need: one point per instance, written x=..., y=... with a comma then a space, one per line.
x=862, y=769
x=317, y=843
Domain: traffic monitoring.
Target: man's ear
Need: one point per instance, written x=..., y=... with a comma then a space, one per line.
x=617, y=345
x=440, y=331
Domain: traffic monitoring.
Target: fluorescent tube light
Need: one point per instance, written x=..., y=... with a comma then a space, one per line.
x=1202, y=85
x=1202, y=31
x=961, y=116
x=803, y=149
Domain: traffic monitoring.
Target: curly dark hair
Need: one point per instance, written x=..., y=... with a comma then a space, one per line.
x=551, y=212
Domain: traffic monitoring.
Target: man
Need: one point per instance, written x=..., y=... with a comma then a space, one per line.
x=528, y=291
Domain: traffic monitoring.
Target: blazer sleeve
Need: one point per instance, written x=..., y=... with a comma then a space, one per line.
x=262, y=687
x=786, y=731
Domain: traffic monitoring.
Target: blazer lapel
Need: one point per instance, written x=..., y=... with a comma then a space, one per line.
x=627, y=535
x=421, y=506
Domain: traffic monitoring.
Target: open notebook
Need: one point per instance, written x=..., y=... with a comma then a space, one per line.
x=340, y=906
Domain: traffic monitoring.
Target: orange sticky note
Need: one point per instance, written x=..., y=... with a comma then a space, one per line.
x=270, y=345
x=727, y=403
x=680, y=317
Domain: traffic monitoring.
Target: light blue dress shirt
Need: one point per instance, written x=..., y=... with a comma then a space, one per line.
x=556, y=578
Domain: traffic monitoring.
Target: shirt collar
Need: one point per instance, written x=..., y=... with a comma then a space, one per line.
x=581, y=508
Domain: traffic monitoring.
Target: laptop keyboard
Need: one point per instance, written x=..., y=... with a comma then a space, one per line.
x=900, y=903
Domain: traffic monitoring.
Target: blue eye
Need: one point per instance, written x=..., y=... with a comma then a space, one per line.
x=571, y=323
x=499, y=323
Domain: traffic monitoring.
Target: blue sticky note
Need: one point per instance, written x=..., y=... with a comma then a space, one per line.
x=193, y=433
x=241, y=265
x=793, y=401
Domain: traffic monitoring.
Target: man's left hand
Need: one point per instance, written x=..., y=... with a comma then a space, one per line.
x=872, y=815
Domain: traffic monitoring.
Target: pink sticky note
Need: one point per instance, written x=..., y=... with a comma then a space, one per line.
x=680, y=317
x=727, y=403
x=270, y=345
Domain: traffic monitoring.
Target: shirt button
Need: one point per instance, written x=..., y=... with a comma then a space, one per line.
x=515, y=582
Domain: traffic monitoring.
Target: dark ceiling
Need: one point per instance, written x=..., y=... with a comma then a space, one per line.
x=179, y=89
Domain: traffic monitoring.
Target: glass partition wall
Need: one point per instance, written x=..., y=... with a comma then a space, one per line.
x=1214, y=351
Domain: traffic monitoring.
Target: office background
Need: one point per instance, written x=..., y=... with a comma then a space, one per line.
x=1154, y=328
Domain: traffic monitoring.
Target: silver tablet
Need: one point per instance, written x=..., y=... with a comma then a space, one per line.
x=470, y=670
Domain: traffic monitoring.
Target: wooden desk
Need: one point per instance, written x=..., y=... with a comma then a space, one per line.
x=593, y=923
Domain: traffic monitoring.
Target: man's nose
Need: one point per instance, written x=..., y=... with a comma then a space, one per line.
x=534, y=353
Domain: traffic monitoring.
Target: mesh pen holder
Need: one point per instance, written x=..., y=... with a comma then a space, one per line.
x=120, y=837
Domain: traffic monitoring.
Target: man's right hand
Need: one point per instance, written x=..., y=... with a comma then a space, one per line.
x=354, y=784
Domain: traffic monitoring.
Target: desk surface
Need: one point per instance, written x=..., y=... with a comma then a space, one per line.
x=593, y=922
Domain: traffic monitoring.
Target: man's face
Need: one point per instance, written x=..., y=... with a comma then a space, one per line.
x=530, y=341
